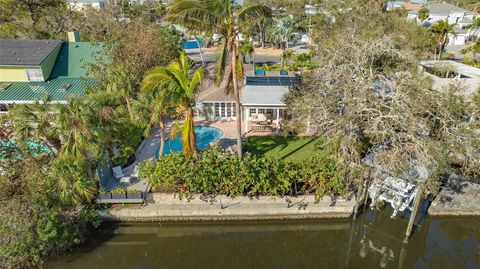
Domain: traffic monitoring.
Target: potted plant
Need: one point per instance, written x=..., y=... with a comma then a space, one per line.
x=102, y=194
x=118, y=193
x=134, y=194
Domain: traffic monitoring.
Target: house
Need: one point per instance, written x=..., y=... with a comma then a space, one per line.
x=446, y=11
x=454, y=15
x=261, y=101
x=29, y=69
x=444, y=73
x=80, y=5
x=391, y=5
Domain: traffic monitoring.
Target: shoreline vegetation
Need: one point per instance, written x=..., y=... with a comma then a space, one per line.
x=215, y=172
x=360, y=92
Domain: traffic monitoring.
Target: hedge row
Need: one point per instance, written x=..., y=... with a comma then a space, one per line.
x=215, y=172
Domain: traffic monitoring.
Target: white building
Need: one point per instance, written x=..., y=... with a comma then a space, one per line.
x=79, y=5
x=454, y=15
x=261, y=102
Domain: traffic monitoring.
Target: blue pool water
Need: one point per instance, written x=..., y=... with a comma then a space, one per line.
x=37, y=148
x=203, y=134
x=192, y=44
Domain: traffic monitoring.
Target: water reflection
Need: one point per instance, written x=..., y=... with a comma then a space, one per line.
x=373, y=241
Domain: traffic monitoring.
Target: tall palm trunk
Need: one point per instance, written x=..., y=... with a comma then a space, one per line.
x=162, y=137
x=282, y=58
x=237, y=98
x=442, y=46
x=188, y=135
x=253, y=62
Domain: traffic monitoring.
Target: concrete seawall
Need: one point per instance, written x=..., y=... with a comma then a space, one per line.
x=168, y=207
x=458, y=198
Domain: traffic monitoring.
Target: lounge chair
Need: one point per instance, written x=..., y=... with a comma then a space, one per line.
x=118, y=174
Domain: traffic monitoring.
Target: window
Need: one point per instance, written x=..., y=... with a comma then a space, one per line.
x=234, y=110
x=229, y=110
x=222, y=110
x=34, y=75
x=217, y=110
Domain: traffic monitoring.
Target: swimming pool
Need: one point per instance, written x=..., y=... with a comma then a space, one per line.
x=37, y=148
x=204, y=135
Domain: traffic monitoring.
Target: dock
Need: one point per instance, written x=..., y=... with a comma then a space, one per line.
x=457, y=198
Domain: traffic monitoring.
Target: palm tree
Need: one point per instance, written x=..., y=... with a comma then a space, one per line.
x=150, y=110
x=121, y=83
x=67, y=174
x=36, y=121
x=176, y=85
x=423, y=13
x=247, y=50
x=221, y=16
x=442, y=29
x=473, y=28
x=287, y=55
x=281, y=33
x=75, y=122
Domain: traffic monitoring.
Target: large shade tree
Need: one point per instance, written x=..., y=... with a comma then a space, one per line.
x=370, y=100
x=223, y=17
x=177, y=85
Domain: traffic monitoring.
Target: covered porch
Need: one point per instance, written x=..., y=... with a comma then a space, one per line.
x=263, y=120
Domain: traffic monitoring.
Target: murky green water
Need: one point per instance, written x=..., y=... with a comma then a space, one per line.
x=373, y=241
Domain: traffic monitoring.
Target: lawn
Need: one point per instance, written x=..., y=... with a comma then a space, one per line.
x=288, y=148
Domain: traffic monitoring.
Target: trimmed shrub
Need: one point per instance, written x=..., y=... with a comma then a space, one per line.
x=215, y=172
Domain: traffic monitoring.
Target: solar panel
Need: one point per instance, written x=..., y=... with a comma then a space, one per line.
x=272, y=81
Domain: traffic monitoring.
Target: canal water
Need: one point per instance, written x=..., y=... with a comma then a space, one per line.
x=373, y=241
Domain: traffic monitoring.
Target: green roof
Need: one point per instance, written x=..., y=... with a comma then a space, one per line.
x=69, y=76
x=73, y=59
x=58, y=89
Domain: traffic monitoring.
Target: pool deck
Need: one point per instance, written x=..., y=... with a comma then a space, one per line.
x=168, y=207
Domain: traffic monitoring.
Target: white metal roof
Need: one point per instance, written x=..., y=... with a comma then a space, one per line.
x=263, y=95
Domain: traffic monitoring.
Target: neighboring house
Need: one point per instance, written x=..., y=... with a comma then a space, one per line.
x=391, y=5
x=445, y=72
x=79, y=5
x=261, y=101
x=29, y=69
x=454, y=15
x=445, y=11
x=460, y=36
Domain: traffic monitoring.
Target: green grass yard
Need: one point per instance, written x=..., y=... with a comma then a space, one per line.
x=287, y=148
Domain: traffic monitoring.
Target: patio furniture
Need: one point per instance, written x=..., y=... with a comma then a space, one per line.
x=259, y=72
x=262, y=128
x=259, y=117
x=118, y=174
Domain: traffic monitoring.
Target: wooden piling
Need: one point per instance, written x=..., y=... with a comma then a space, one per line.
x=413, y=215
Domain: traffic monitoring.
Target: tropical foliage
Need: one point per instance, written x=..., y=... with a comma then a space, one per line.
x=215, y=172
x=41, y=216
x=177, y=86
